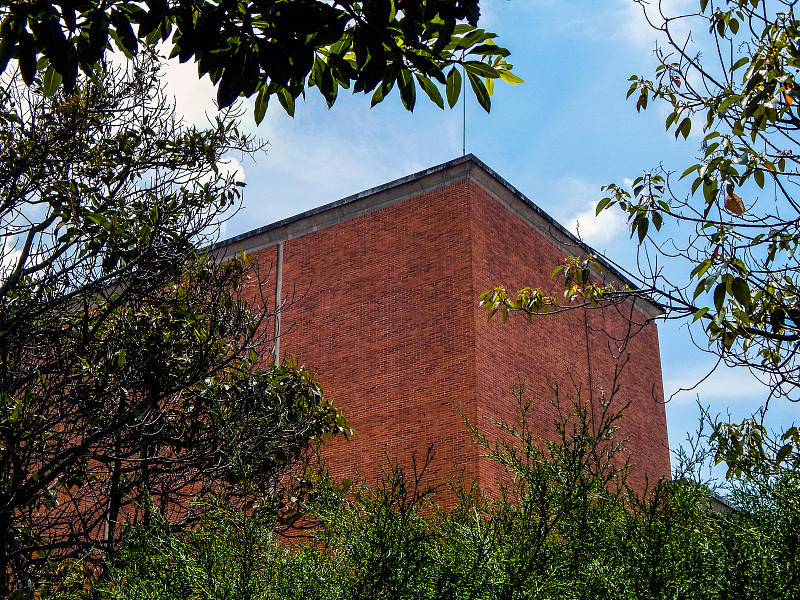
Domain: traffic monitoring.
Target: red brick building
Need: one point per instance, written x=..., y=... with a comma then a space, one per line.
x=382, y=292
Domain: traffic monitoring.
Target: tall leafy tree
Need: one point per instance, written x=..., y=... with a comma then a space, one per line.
x=129, y=361
x=736, y=274
x=130, y=379
x=272, y=48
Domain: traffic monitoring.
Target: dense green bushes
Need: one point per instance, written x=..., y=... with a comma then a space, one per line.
x=564, y=526
x=381, y=546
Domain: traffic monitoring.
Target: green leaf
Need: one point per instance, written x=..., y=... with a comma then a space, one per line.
x=380, y=93
x=701, y=268
x=50, y=82
x=481, y=69
x=509, y=77
x=684, y=128
x=118, y=360
x=262, y=101
x=14, y=416
x=123, y=33
x=98, y=219
x=453, y=86
x=783, y=453
x=719, y=296
x=481, y=93
x=408, y=91
x=286, y=100
x=777, y=319
x=489, y=50
x=741, y=292
x=641, y=229
x=710, y=189
x=704, y=285
x=602, y=205
x=657, y=221
x=740, y=63
x=20, y=595
x=431, y=90
x=27, y=57
x=323, y=78
x=230, y=84
x=690, y=170
x=474, y=37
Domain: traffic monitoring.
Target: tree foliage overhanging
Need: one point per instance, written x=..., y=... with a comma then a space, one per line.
x=729, y=70
x=130, y=379
x=275, y=48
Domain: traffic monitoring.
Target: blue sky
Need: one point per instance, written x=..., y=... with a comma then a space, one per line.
x=559, y=137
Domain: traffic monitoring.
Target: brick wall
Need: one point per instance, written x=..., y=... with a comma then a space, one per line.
x=377, y=310
x=383, y=306
x=576, y=351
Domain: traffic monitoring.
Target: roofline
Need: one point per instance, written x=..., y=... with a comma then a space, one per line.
x=426, y=180
x=354, y=197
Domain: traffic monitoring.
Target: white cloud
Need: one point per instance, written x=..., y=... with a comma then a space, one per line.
x=231, y=166
x=634, y=26
x=594, y=229
x=489, y=14
x=8, y=260
x=729, y=394
x=194, y=97
x=573, y=203
x=227, y=166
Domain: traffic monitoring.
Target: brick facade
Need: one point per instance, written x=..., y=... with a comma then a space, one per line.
x=382, y=293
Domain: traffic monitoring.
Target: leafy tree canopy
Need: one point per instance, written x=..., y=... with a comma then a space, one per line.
x=130, y=377
x=728, y=69
x=273, y=48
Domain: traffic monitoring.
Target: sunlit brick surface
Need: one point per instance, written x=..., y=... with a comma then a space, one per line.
x=384, y=307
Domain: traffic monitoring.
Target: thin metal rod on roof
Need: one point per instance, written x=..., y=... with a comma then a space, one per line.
x=464, y=117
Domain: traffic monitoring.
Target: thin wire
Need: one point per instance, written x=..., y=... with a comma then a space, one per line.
x=464, y=117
